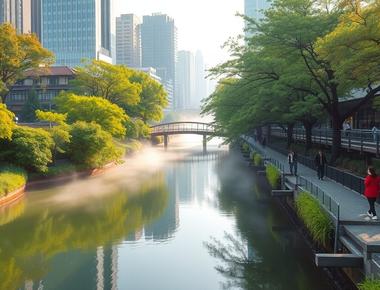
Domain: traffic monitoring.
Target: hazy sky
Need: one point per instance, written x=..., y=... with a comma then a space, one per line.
x=202, y=24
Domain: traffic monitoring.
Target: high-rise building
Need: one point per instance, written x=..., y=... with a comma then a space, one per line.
x=36, y=17
x=128, y=40
x=159, y=45
x=16, y=12
x=185, y=80
x=77, y=30
x=255, y=8
x=200, y=80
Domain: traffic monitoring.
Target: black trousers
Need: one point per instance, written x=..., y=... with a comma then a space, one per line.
x=321, y=171
x=371, y=201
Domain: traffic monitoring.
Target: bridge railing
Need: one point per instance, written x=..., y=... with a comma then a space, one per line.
x=179, y=127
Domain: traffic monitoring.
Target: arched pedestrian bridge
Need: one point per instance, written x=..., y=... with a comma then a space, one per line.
x=180, y=128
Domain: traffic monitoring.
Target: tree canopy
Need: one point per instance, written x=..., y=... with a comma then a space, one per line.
x=19, y=53
x=6, y=122
x=93, y=109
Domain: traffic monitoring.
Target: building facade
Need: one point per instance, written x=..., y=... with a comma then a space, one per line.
x=16, y=12
x=47, y=83
x=36, y=17
x=128, y=40
x=185, y=80
x=159, y=46
x=77, y=30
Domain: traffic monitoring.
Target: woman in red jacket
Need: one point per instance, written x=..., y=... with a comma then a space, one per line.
x=372, y=189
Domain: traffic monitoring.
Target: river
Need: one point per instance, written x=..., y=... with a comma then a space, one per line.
x=175, y=220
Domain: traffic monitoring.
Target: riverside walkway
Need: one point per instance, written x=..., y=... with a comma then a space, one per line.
x=355, y=225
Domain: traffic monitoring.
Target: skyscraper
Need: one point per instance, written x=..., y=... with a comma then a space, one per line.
x=159, y=45
x=185, y=80
x=200, y=80
x=255, y=8
x=79, y=29
x=36, y=16
x=128, y=40
x=16, y=12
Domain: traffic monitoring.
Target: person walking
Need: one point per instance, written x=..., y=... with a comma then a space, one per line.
x=320, y=162
x=371, y=191
x=375, y=133
x=292, y=160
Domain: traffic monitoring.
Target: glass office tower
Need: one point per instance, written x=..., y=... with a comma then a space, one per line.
x=77, y=29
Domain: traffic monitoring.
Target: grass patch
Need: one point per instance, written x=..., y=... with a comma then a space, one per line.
x=273, y=176
x=315, y=218
x=370, y=284
x=11, y=178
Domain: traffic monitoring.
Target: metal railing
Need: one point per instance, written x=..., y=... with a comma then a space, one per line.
x=183, y=127
x=359, y=140
x=349, y=180
x=330, y=205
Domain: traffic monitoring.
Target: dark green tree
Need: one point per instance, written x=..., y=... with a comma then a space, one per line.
x=32, y=104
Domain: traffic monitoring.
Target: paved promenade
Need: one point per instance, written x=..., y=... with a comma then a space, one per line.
x=353, y=206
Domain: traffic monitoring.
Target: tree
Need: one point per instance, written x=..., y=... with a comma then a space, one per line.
x=91, y=146
x=60, y=133
x=32, y=104
x=153, y=98
x=29, y=148
x=19, y=53
x=6, y=122
x=109, y=116
x=111, y=82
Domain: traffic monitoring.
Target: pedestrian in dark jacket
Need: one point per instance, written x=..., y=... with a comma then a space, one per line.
x=292, y=160
x=371, y=192
x=320, y=162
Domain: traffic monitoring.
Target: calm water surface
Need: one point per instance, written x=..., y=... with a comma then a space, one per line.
x=175, y=220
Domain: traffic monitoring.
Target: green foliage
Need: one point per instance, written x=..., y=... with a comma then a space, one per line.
x=11, y=179
x=104, y=80
x=30, y=148
x=6, y=122
x=257, y=159
x=314, y=217
x=370, y=284
x=153, y=98
x=51, y=117
x=245, y=147
x=137, y=129
x=61, y=169
x=18, y=53
x=32, y=104
x=273, y=176
x=91, y=146
x=93, y=109
x=132, y=146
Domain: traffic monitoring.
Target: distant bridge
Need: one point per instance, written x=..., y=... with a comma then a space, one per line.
x=180, y=128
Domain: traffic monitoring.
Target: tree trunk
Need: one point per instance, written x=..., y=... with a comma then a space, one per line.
x=289, y=132
x=308, y=133
x=336, y=138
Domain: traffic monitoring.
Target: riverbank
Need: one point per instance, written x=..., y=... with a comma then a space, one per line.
x=14, y=181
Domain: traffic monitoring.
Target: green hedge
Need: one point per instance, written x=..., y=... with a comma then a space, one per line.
x=273, y=176
x=11, y=178
x=370, y=284
x=257, y=159
x=245, y=147
x=315, y=218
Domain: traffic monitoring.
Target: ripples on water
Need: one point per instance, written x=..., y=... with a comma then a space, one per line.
x=175, y=220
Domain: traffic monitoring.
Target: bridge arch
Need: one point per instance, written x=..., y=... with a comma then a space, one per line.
x=180, y=128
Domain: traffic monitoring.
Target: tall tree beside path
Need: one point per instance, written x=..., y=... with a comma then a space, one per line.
x=19, y=53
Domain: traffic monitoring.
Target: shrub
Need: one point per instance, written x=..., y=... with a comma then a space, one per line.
x=11, y=178
x=257, y=159
x=6, y=122
x=245, y=147
x=91, y=146
x=273, y=176
x=29, y=148
x=370, y=284
x=314, y=217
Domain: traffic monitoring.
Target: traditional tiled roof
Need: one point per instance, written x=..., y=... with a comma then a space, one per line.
x=50, y=71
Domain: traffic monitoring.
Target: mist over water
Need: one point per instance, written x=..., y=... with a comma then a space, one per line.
x=165, y=219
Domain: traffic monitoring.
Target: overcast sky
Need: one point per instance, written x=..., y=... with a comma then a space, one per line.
x=202, y=24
